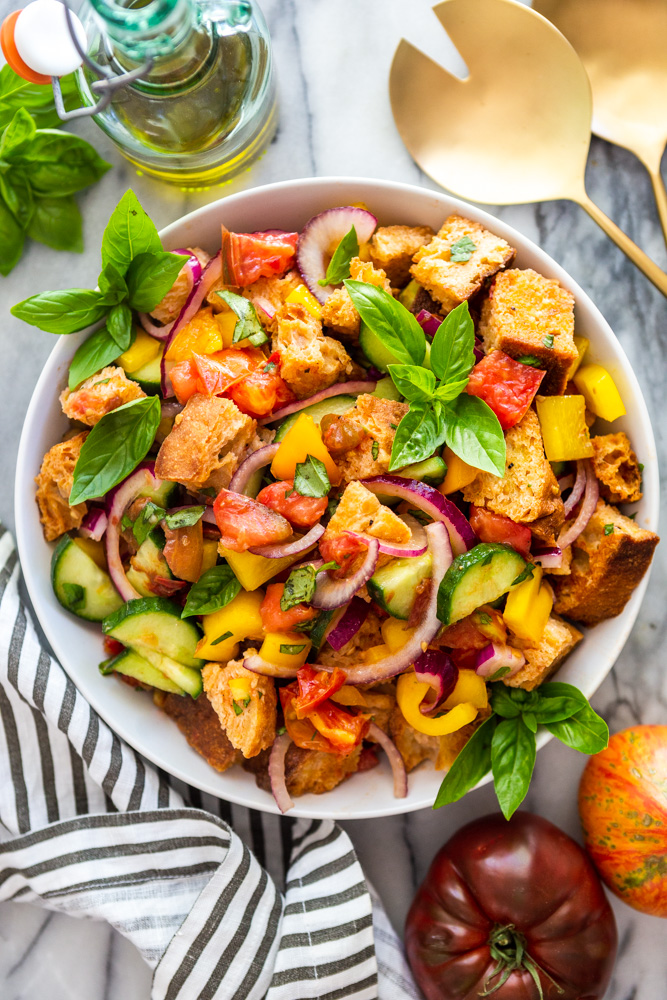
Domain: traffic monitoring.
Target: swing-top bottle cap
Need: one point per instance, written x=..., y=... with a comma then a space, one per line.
x=40, y=37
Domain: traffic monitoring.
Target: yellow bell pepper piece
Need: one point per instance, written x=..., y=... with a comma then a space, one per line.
x=226, y=322
x=459, y=473
x=528, y=608
x=304, y=298
x=252, y=571
x=200, y=336
x=349, y=695
x=95, y=550
x=395, y=633
x=599, y=390
x=239, y=688
x=210, y=556
x=302, y=439
x=564, y=429
x=365, y=252
x=277, y=645
x=410, y=692
x=582, y=344
x=376, y=653
x=241, y=618
x=143, y=350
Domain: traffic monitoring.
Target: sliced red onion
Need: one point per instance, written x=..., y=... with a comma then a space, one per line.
x=277, y=772
x=94, y=524
x=436, y=668
x=478, y=349
x=340, y=389
x=428, y=322
x=432, y=502
x=209, y=517
x=290, y=548
x=332, y=593
x=117, y=503
x=416, y=546
x=193, y=271
x=429, y=626
x=210, y=275
x=262, y=303
x=160, y=331
x=170, y=408
x=257, y=460
x=591, y=496
x=566, y=482
x=577, y=489
x=320, y=235
x=397, y=763
x=549, y=557
x=259, y=665
x=495, y=657
x=353, y=618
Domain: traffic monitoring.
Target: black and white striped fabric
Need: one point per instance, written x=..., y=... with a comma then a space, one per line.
x=89, y=828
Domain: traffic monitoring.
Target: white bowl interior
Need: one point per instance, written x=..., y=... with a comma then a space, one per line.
x=79, y=646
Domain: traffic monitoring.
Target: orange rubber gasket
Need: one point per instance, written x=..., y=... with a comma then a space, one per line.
x=11, y=53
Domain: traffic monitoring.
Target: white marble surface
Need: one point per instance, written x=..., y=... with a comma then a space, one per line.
x=332, y=59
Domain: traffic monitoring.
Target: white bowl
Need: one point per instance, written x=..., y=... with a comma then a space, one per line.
x=79, y=645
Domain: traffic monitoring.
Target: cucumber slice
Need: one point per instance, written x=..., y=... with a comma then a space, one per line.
x=379, y=355
x=431, y=471
x=335, y=404
x=154, y=623
x=394, y=586
x=148, y=562
x=479, y=576
x=149, y=376
x=385, y=389
x=132, y=665
x=79, y=583
x=409, y=294
x=164, y=496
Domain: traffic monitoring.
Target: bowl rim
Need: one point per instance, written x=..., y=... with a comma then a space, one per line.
x=25, y=514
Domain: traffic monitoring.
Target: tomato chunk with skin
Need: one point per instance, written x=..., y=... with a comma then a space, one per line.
x=345, y=550
x=244, y=523
x=490, y=527
x=315, y=686
x=213, y=374
x=301, y=512
x=249, y=256
x=343, y=730
x=301, y=731
x=274, y=619
x=506, y=385
x=260, y=392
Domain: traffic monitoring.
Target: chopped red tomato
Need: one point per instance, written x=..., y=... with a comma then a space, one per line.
x=343, y=730
x=213, y=374
x=476, y=630
x=464, y=659
x=301, y=512
x=345, y=550
x=183, y=377
x=249, y=256
x=490, y=527
x=506, y=385
x=315, y=686
x=111, y=646
x=368, y=758
x=274, y=619
x=260, y=393
x=244, y=523
x=301, y=731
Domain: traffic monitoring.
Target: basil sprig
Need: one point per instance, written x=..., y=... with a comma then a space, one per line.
x=505, y=743
x=36, y=98
x=300, y=585
x=339, y=265
x=213, y=590
x=310, y=478
x=248, y=326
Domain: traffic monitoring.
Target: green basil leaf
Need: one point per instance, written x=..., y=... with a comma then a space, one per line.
x=419, y=433
x=513, y=752
x=450, y=390
x=112, y=284
x=15, y=92
x=299, y=587
x=150, y=276
x=559, y=689
x=61, y=312
x=505, y=702
x=452, y=350
x=557, y=709
x=184, y=518
x=290, y=649
x=17, y=195
x=311, y=479
x=462, y=250
x=221, y=638
x=248, y=326
x=17, y=135
x=469, y=766
x=394, y=325
x=114, y=448
x=120, y=326
x=473, y=432
x=339, y=265
x=11, y=240
x=213, y=590
x=415, y=383
x=148, y=518
x=75, y=594
x=129, y=232
x=97, y=351
x=59, y=163
x=585, y=731
x=56, y=222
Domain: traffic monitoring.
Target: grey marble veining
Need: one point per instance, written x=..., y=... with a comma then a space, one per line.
x=332, y=60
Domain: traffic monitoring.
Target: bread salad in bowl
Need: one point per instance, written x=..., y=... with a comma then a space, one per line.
x=343, y=491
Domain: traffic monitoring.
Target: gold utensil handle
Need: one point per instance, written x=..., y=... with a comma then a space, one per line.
x=660, y=197
x=624, y=243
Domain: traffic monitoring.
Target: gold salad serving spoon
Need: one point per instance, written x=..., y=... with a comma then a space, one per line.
x=517, y=128
x=623, y=46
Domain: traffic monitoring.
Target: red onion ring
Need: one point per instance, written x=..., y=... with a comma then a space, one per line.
x=397, y=763
x=428, y=322
x=348, y=625
x=277, y=772
x=415, y=547
x=591, y=496
x=94, y=524
x=194, y=269
x=157, y=330
x=264, y=305
x=170, y=408
x=548, y=558
x=577, y=489
x=290, y=548
x=117, y=503
x=332, y=593
x=339, y=389
x=436, y=668
x=495, y=656
x=432, y=502
x=257, y=460
x=211, y=273
x=566, y=482
x=259, y=665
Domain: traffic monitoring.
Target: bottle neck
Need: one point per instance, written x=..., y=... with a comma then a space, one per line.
x=144, y=30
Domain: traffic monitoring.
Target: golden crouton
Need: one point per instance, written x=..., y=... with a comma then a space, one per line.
x=529, y=492
x=54, y=485
x=245, y=703
x=565, y=567
x=616, y=467
x=309, y=361
x=558, y=639
x=338, y=313
x=610, y=557
x=451, y=282
x=175, y=299
x=414, y=747
x=360, y=510
x=271, y=292
x=452, y=744
x=376, y=421
x=99, y=395
x=528, y=314
x=306, y=771
x=200, y=726
x=206, y=443
x=393, y=247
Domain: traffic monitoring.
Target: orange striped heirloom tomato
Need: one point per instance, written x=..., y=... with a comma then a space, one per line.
x=623, y=809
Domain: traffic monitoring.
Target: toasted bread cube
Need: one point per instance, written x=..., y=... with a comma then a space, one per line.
x=271, y=292
x=206, y=443
x=616, y=468
x=99, y=395
x=414, y=747
x=338, y=313
x=306, y=771
x=452, y=282
x=200, y=726
x=376, y=419
x=360, y=510
x=369, y=635
x=529, y=493
x=170, y=306
x=609, y=559
x=309, y=361
x=565, y=567
x=54, y=485
x=558, y=639
x=245, y=703
x=528, y=314
x=452, y=744
x=393, y=247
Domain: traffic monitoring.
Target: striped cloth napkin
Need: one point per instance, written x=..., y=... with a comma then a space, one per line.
x=89, y=828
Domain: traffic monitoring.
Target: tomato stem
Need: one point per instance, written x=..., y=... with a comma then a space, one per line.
x=508, y=949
